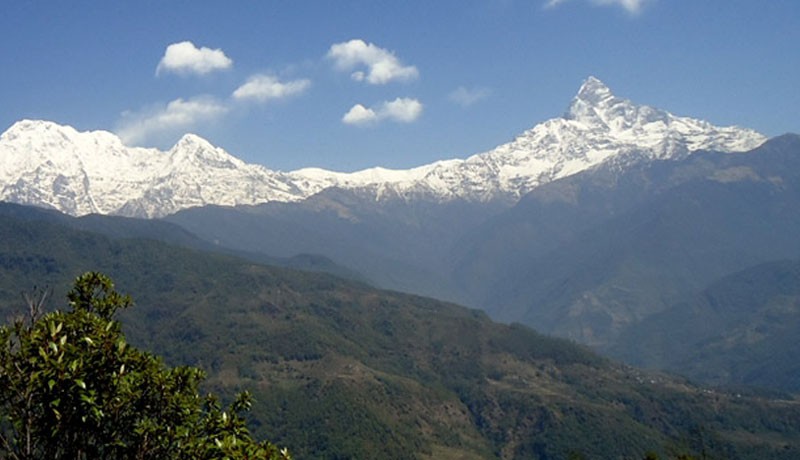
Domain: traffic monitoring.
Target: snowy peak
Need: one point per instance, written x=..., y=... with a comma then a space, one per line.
x=596, y=106
x=593, y=92
x=597, y=127
x=194, y=149
x=602, y=113
x=592, y=103
x=190, y=141
x=27, y=127
x=42, y=133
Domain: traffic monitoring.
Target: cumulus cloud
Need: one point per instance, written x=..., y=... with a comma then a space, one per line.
x=631, y=6
x=136, y=128
x=382, y=66
x=401, y=110
x=359, y=115
x=465, y=97
x=263, y=88
x=184, y=58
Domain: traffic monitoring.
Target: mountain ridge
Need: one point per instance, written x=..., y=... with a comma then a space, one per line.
x=53, y=166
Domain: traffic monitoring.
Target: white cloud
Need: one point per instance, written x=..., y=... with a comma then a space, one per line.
x=401, y=110
x=631, y=6
x=553, y=3
x=465, y=97
x=184, y=59
x=263, y=88
x=180, y=114
x=359, y=115
x=382, y=65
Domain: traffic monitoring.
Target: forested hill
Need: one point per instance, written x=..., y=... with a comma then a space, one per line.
x=342, y=370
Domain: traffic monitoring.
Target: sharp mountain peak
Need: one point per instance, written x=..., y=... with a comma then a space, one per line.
x=593, y=90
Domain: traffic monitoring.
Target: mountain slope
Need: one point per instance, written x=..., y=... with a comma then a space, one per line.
x=116, y=227
x=593, y=254
x=396, y=244
x=48, y=165
x=340, y=370
x=740, y=330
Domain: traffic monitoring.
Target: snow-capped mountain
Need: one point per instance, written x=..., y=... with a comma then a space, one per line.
x=48, y=165
x=597, y=127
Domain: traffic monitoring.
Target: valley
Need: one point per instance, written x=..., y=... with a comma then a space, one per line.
x=340, y=369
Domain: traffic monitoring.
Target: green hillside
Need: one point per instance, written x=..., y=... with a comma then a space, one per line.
x=341, y=370
x=740, y=330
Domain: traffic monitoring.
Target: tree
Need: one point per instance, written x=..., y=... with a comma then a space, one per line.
x=71, y=387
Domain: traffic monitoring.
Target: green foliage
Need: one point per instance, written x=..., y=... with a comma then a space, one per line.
x=73, y=388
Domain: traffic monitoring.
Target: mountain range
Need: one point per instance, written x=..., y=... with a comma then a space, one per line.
x=48, y=165
x=594, y=226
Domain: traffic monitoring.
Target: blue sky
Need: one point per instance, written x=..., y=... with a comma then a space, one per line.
x=347, y=85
